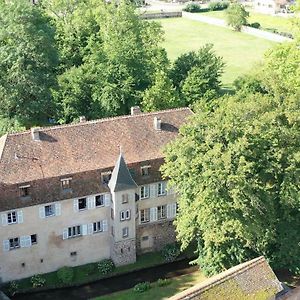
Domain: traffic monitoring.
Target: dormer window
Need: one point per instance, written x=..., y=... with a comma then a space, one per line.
x=24, y=191
x=105, y=177
x=145, y=170
x=66, y=183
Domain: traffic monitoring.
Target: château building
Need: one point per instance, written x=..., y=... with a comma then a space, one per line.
x=79, y=193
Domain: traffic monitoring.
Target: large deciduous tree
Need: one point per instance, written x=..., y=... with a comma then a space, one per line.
x=236, y=170
x=28, y=60
x=236, y=16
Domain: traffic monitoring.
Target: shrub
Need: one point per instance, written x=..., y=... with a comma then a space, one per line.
x=37, y=281
x=163, y=282
x=236, y=16
x=13, y=288
x=106, y=266
x=192, y=7
x=170, y=252
x=65, y=275
x=255, y=25
x=218, y=5
x=141, y=287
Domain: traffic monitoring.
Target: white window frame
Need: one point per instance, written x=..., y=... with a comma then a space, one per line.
x=125, y=198
x=77, y=229
x=99, y=226
x=146, y=192
x=53, y=210
x=161, y=212
x=145, y=215
x=23, y=187
x=15, y=246
x=86, y=204
x=104, y=174
x=125, y=215
x=16, y=217
x=102, y=197
x=145, y=170
x=66, y=183
x=161, y=188
x=125, y=232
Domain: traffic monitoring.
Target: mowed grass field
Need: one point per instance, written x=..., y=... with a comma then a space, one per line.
x=266, y=21
x=240, y=51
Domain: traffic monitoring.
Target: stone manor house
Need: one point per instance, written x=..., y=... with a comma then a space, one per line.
x=80, y=193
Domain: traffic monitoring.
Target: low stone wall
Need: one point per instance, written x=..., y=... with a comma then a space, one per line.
x=162, y=233
x=161, y=15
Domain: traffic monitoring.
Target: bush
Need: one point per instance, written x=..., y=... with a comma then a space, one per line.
x=37, y=281
x=163, y=282
x=255, y=25
x=65, y=275
x=170, y=252
x=106, y=266
x=192, y=7
x=141, y=287
x=219, y=5
x=13, y=288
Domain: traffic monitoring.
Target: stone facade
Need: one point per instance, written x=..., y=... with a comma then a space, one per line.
x=124, y=252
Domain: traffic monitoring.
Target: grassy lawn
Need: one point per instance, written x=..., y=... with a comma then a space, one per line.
x=156, y=292
x=266, y=21
x=240, y=51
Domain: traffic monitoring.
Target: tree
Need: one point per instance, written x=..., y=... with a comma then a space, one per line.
x=236, y=171
x=236, y=16
x=161, y=95
x=28, y=61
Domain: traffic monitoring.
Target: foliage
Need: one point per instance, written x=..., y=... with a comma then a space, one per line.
x=142, y=287
x=28, y=61
x=250, y=83
x=37, y=281
x=65, y=275
x=170, y=252
x=255, y=25
x=106, y=266
x=236, y=16
x=236, y=170
x=161, y=95
x=163, y=282
x=192, y=7
x=13, y=288
x=218, y=5
x=9, y=125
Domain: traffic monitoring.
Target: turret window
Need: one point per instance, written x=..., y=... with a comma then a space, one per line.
x=125, y=232
x=125, y=215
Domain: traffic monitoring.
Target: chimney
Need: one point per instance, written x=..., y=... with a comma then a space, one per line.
x=157, y=123
x=35, y=134
x=135, y=110
x=82, y=119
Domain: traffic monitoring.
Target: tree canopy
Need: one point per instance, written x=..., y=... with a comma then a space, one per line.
x=236, y=170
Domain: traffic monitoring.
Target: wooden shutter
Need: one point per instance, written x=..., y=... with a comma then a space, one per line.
x=107, y=198
x=104, y=224
x=65, y=233
x=91, y=202
x=90, y=228
x=4, y=219
x=84, y=229
x=6, y=245
x=27, y=241
x=23, y=241
x=153, y=214
x=20, y=216
x=169, y=213
x=75, y=205
x=153, y=190
x=42, y=212
x=57, y=209
x=174, y=208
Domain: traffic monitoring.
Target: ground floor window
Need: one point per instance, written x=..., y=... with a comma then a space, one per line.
x=145, y=215
x=14, y=243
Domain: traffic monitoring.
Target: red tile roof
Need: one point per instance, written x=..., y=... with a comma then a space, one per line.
x=86, y=146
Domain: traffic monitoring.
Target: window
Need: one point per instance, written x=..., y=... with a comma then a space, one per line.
x=145, y=215
x=125, y=215
x=74, y=253
x=161, y=188
x=105, y=177
x=24, y=191
x=145, y=238
x=50, y=210
x=112, y=213
x=97, y=227
x=12, y=217
x=66, y=183
x=161, y=212
x=74, y=231
x=99, y=200
x=145, y=191
x=145, y=170
x=33, y=238
x=124, y=198
x=14, y=243
x=125, y=232
x=82, y=203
